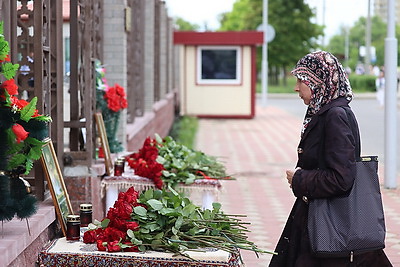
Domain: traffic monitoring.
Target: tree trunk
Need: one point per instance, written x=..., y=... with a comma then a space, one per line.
x=284, y=76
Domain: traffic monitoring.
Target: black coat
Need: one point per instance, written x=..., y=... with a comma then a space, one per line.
x=325, y=172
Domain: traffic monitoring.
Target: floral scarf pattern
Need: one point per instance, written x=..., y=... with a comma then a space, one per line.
x=324, y=74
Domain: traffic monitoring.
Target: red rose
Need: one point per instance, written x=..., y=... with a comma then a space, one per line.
x=112, y=213
x=123, y=209
x=100, y=245
x=132, y=225
x=131, y=195
x=119, y=224
x=89, y=237
x=113, y=246
x=112, y=234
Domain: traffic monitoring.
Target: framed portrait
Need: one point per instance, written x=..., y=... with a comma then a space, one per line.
x=101, y=130
x=55, y=181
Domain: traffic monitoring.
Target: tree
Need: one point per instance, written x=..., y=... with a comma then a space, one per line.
x=295, y=35
x=183, y=25
x=357, y=38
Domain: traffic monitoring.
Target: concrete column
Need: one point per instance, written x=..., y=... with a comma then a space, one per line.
x=115, y=52
x=149, y=55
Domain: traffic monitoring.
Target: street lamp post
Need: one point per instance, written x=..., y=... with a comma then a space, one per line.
x=390, y=180
x=264, y=61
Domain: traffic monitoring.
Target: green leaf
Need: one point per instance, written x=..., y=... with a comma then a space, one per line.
x=4, y=48
x=139, y=210
x=28, y=111
x=179, y=222
x=153, y=226
x=34, y=141
x=35, y=152
x=44, y=118
x=216, y=206
x=158, y=139
x=9, y=70
x=155, y=204
x=144, y=230
x=174, y=231
x=168, y=212
x=130, y=233
x=159, y=235
x=188, y=210
x=148, y=194
x=16, y=160
x=105, y=222
x=28, y=166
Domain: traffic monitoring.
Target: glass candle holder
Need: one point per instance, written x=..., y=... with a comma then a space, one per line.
x=85, y=213
x=122, y=159
x=118, y=168
x=73, y=227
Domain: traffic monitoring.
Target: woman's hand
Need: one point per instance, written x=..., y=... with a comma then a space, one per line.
x=289, y=176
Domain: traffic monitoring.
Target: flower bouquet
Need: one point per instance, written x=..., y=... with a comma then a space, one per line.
x=160, y=220
x=22, y=131
x=169, y=163
x=110, y=101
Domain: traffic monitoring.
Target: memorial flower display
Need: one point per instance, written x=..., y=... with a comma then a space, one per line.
x=169, y=163
x=161, y=220
x=110, y=101
x=22, y=131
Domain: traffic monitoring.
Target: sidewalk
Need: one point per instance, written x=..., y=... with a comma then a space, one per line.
x=257, y=152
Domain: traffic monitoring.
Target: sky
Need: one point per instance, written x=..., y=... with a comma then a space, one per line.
x=337, y=12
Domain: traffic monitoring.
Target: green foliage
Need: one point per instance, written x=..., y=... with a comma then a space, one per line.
x=363, y=83
x=183, y=25
x=9, y=70
x=173, y=223
x=184, y=130
x=295, y=34
x=28, y=111
x=185, y=165
x=356, y=36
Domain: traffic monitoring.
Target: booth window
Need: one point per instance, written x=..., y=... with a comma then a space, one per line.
x=218, y=65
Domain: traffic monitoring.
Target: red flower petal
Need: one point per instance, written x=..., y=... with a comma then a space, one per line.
x=19, y=132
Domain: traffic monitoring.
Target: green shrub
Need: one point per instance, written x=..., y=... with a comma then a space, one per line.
x=363, y=83
x=184, y=130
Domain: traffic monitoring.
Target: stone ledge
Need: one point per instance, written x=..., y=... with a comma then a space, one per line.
x=15, y=238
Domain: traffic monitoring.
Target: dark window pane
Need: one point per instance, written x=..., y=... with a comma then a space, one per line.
x=218, y=64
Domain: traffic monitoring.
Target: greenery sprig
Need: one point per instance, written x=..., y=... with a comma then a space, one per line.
x=167, y=221
x=171, y=222
x=185, y=165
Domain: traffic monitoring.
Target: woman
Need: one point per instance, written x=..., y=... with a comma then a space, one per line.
x=323, y=85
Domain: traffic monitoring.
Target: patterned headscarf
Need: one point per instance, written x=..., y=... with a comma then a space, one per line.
x=323, y=73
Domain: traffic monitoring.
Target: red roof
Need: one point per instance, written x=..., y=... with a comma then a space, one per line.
x=218, y=38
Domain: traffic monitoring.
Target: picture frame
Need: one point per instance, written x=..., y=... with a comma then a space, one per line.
x=55, y=182
x=101, y=129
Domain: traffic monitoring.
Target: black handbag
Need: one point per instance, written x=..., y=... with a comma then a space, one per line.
x=354, y=223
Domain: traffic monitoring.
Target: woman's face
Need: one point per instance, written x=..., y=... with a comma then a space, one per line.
x=304, y=91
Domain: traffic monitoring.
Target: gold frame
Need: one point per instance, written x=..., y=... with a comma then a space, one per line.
x=55, y=182
x=104, y=142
